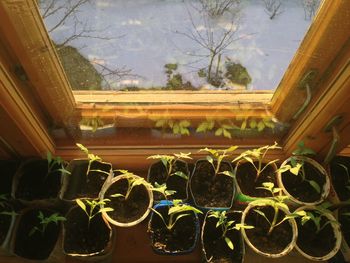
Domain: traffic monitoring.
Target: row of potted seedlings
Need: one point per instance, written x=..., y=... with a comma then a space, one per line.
x=273, y=218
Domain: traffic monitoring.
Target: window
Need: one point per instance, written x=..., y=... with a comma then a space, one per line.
x=177, y=119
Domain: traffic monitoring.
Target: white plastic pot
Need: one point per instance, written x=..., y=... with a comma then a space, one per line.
x=291, y=221
x=337, y=235
x=325, y=189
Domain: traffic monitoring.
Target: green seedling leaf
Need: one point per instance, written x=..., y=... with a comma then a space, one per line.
x=81, y=204
x=229, y=243
x=228, y=173
x=181, y=174
x=315, y=186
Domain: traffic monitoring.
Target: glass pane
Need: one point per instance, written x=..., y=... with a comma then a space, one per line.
x=176, y=44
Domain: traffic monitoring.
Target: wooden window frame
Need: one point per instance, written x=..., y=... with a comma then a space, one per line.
x=325, y=49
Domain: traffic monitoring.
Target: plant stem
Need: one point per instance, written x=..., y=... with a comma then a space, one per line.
x=274, y=221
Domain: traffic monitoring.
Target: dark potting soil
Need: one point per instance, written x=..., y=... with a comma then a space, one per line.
x=82, y=185
x=301, y=189
x=7, y=171
x=248, y=182
x=279, y=238
x=340, y=178
x=312, y=243
x=80, y=238
x=344, y=221
x=34, y=181
x=37, y=246
x=176, y=183
x=215, y=246
x=209, y=190
x=5, y=222
x=129, y=210
x=181, y=238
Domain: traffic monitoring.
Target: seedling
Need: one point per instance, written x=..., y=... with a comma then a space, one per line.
x=177, y=211
x=94, y=208
x=277, y=202
x=53, y=162
x=169, y=161
x=226, y=226
x=92, y=157
x=258, y=156
x=316, y=216
x=45, y=221
x=297, y=167
x=162, y=188
x=216, y=157
x=133, y=180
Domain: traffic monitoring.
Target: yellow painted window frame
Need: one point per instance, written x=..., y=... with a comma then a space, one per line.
x=325, y=49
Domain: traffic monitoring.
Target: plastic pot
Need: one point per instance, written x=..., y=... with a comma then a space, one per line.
x=84, y=241
x=180, y=240
x=211, y=238
x=157, y=174
x=201, y=187
x=80, y=184
x=293, y=198
x=290, y=244
x=318, y=239
x=141, y=196
x=36, y=247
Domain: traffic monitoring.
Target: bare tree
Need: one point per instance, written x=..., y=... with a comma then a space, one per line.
x=273, y=8
x=67, y=13
x=213, y=39
x=310, y=8
x=215, y=8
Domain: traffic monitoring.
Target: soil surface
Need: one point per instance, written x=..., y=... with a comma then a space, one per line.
x=340, y=177
x=176, y=183
x=301, y=189
x=34, y=181
x=182, y=237
x=37, y=246
x=208, y=190
x=129, y=210
x=7, y=171
x=88, y=185
x=80, y=238
x=215, y=246
x=279, y=238
x=312, y=243
x=248, y=182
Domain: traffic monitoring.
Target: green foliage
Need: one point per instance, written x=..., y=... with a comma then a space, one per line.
x=54, y=161
x=162, y=188
x=215, y=158
x=297, y=167
x=258, y=155
x=93, y=208
x=222, y=129
x=45, y=221
x=133, y=180
x=5, y=206
x=316, y=216
x=202, y=73
x=92, y=158
x=277, y=202
x=176, y=211
x=259, y=125
x=169, y=161
x=176, y=126
x=226, y=225
x=170, y=66
x=236, y=73
x=94, y=122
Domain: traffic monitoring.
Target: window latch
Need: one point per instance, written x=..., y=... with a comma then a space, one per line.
x=332, y=127
x=305, y=83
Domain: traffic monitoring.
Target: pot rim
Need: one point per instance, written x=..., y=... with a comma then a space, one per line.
x=337, y=235
x=287, y=249
x=325, y=188
x=109, y=183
